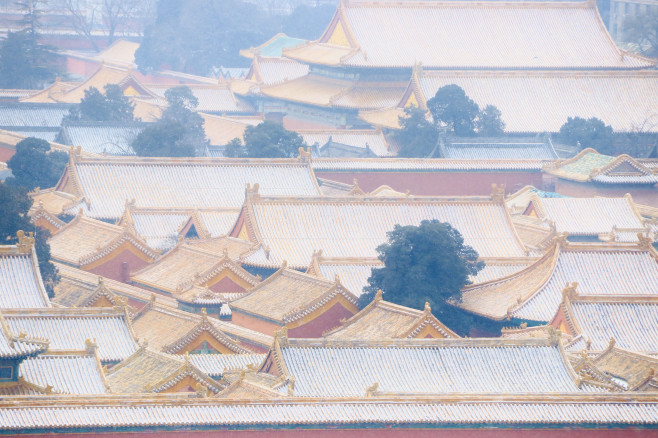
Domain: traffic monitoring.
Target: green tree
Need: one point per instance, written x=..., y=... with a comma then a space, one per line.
x=590, y=133
x=418, y=137
x=96, y=107
x=15, y=205
x=452, y=107
x=489, y=122
x=642, y=30
x=35, y=165
x=179, y=131
x=266, y=140
x=425, y=263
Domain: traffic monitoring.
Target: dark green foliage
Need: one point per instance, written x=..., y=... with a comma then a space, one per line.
x=163, y=140
x=451, y=106
x=266, y=140
x=490, y=122
x=24, y=63
x=114, y=106
x=642, y=30
x=34, y=165
x=425, y=263
x=15, y=205
x=418, y=137
x=195, y=35
x=590, y=133
x=179, y=131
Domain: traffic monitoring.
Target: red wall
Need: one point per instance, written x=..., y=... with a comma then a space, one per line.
x=642, y=194
x=375, y=433
x=328, y=320
x=6, y=154
x=226, y=285
x=438, y=183
x=113, y=268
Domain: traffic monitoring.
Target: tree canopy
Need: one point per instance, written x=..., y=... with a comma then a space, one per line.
x=418, y=137
x=452, y=107
x=425, y=263
x=15, y=205
x=489, y=122
x=179, y=131
x=35, y=165
x=266, y=140
x=642, y=30
x=590, y=133
x=113, y=106
x=196, y=35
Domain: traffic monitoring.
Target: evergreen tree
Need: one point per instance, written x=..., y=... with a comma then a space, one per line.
x=489, y=122
x=425, y=263
x=94, y=106
x=452, y=107
x=590, y=133
x=418, y=137
x=35, y=165
x=266, y=140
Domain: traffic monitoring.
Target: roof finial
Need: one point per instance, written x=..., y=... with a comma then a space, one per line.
x=378, y=295
x=428, y=309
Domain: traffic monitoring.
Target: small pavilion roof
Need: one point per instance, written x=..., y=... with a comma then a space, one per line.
x=21, y=285
x=266, y=71
x=272, y=48
x=353, y=368
x=374, y=140
x=151, y=371
x=352, y=227
x=85, y=239
x=390, y=164
x=385, y=320
x=288, y=295
x=168, y=329
x=625, y=369
x=102, y=186
x=193, y=262
x=631, y=321
x=497, y=149
x=473, y=34
x=589, y=165
x=534, y=293
x=71, y=328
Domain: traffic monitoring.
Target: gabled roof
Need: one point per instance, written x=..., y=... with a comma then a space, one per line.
x=220, y=130
x=103, y=185
x=353, y=227
x=21, y=285
x=288, y=295
x=497, y=149
x=66, y=373
x=71, y=328
x=631, y=321
x=625, y=370
x=366, y=33
x=353, y=273
x=110, y=138
x=270, y=71
x=19, y=344
x=534, y=293
x=164, y=327
x=588, y=165
x=389, y=164
x=32, y=115
x=332, y=368
x=85, y=240
x=248, y=385
x=121, y=53
x=381, y=320
x=215, y=365
x=374, y=139
x=213, y=98
x=151, y=371
x=189, y=263
x=623, y=100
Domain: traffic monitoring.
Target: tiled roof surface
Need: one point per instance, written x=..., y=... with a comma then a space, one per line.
x=159, y=229
x=589, y=165
x=68, y=329
x=48, y=135
x=417, y=164
x=353, y=276
x=535, y=292
x=200, y=183
x=632, y=367
x=12, y=346
x=67, y=374
x=219, y=222
x=498, y=150
x=32, y=115
x=374, y=140
x=221, y=130
x=212, y=98
x=215, y=364
x=478, y=34
x=274, y=46
x=103, y=138
x=348, y=369
x=633, y=324
x=622, y=100
x=277, y=70
x=493, y=271
x=346, y=227
x=590, y=216
x=124, y=412
x=20, y=283
x=282, y=294
x=82, y=237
